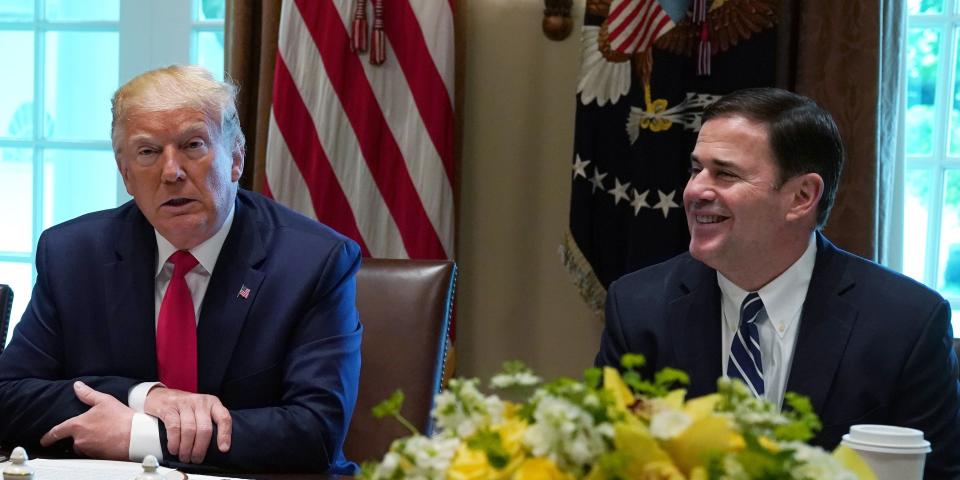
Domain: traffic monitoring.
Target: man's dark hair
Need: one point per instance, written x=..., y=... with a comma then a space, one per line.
x=803, y=136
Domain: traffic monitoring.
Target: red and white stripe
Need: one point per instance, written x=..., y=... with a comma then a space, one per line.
x=633, y=25
x=367, y=149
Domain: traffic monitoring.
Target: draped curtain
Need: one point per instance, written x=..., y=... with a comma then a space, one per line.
x=848, y=59
x=251, y=50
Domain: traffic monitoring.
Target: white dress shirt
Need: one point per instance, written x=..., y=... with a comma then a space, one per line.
x=779, y=321
x=144, y=431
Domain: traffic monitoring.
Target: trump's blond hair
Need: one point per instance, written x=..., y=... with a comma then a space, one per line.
x=175, y=87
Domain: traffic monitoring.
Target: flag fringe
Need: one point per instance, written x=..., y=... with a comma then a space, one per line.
x=586, y=281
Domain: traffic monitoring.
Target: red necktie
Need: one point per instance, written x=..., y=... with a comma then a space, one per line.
x=177, y=329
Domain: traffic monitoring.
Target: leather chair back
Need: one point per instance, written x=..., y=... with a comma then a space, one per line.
x=956, y=348
x=405, y=308
x=6, y=305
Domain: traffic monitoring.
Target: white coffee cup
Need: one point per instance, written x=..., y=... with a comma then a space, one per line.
x=894, y=453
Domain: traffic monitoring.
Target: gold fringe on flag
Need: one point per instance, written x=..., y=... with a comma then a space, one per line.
x=591, y=290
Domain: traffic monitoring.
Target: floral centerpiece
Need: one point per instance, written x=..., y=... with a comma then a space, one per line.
x=610, y=426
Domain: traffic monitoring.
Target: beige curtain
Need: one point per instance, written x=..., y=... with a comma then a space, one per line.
x=838, y=59
x=251, y=51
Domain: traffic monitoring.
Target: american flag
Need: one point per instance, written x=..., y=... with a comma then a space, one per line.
x=633, y=25
x=367, y=149
x=244, y=292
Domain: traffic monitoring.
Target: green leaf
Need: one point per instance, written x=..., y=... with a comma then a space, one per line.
x=514, y=367
x=668, y=377
x=593, y=377
x=491, y=444
x=367, y=470
x=804, y=422
x=633, y=361
x=633, y=380
x=390, y=406
x=613, y=465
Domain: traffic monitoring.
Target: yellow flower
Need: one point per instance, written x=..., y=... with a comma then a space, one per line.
x=470, y=464
x=853, y=462
x=539, y=469
x=712, y=433
x=510, y=410
x=769, y=444
x=659, y=471
x=699, y=473
x=633, y=439
x=701, y=407
x=613, y=383
x=511, y=437
x=674, y=399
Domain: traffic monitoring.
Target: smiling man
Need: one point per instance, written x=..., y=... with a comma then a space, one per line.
x=198, y=323
x=764, y=297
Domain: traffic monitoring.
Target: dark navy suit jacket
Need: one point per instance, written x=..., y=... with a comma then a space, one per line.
x=285, y=360
x=873, y=346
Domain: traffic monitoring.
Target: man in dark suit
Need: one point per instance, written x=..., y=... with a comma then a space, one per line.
x=213, y=323
x=763, y=296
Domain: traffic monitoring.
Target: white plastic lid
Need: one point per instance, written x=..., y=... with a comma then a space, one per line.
x=886, y=439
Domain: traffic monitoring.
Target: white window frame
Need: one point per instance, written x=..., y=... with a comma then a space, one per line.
x=939, y=161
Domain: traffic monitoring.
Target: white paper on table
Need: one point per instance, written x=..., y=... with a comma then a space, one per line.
x=47, y=469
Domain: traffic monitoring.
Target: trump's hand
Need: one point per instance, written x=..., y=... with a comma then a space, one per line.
x=189, y=418
x=101, y=432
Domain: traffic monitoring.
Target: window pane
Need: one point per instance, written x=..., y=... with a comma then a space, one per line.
x=16, y=188
x=81, y=76
x=923, y=48
x=924, y=6
x=83, y=10
x=954, y=131
x=77, y=182
x=19, y=275
x=916, y=206
x=15, y=11
x=16, y=103
x=949, y=284
x=209, y=10
x=208, y=52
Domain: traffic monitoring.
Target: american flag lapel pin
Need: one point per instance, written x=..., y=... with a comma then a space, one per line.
x=244, y=292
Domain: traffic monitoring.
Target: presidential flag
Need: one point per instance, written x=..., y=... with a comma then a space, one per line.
x=362, y=122
x=648, y=68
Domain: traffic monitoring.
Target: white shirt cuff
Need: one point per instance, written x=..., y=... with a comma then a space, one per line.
x=144, y=437
x=138, y=395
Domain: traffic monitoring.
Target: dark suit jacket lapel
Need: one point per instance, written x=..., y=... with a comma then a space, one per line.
x=695, y=320
x=129, y=289
x=825, y=326
x=224, y=309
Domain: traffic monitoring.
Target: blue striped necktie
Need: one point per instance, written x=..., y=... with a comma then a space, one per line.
x=745, y=362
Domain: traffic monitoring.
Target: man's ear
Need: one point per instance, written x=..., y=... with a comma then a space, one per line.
x=124, y=173
x=805, y=192
x=236, y=168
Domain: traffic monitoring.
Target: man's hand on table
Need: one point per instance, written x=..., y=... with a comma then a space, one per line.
x=189, y=418
x=101, y=432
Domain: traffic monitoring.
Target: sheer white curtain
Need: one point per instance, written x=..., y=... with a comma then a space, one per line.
x=890, y=127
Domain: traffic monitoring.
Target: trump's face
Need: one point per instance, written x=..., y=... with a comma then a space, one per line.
x=180, y=175
x=736, y=210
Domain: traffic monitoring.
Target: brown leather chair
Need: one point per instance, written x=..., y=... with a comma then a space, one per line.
x=405, y=308
x=6, y=305
x=956, y=348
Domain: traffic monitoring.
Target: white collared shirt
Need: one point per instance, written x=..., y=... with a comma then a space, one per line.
x=779, y=321
x=144, y=432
